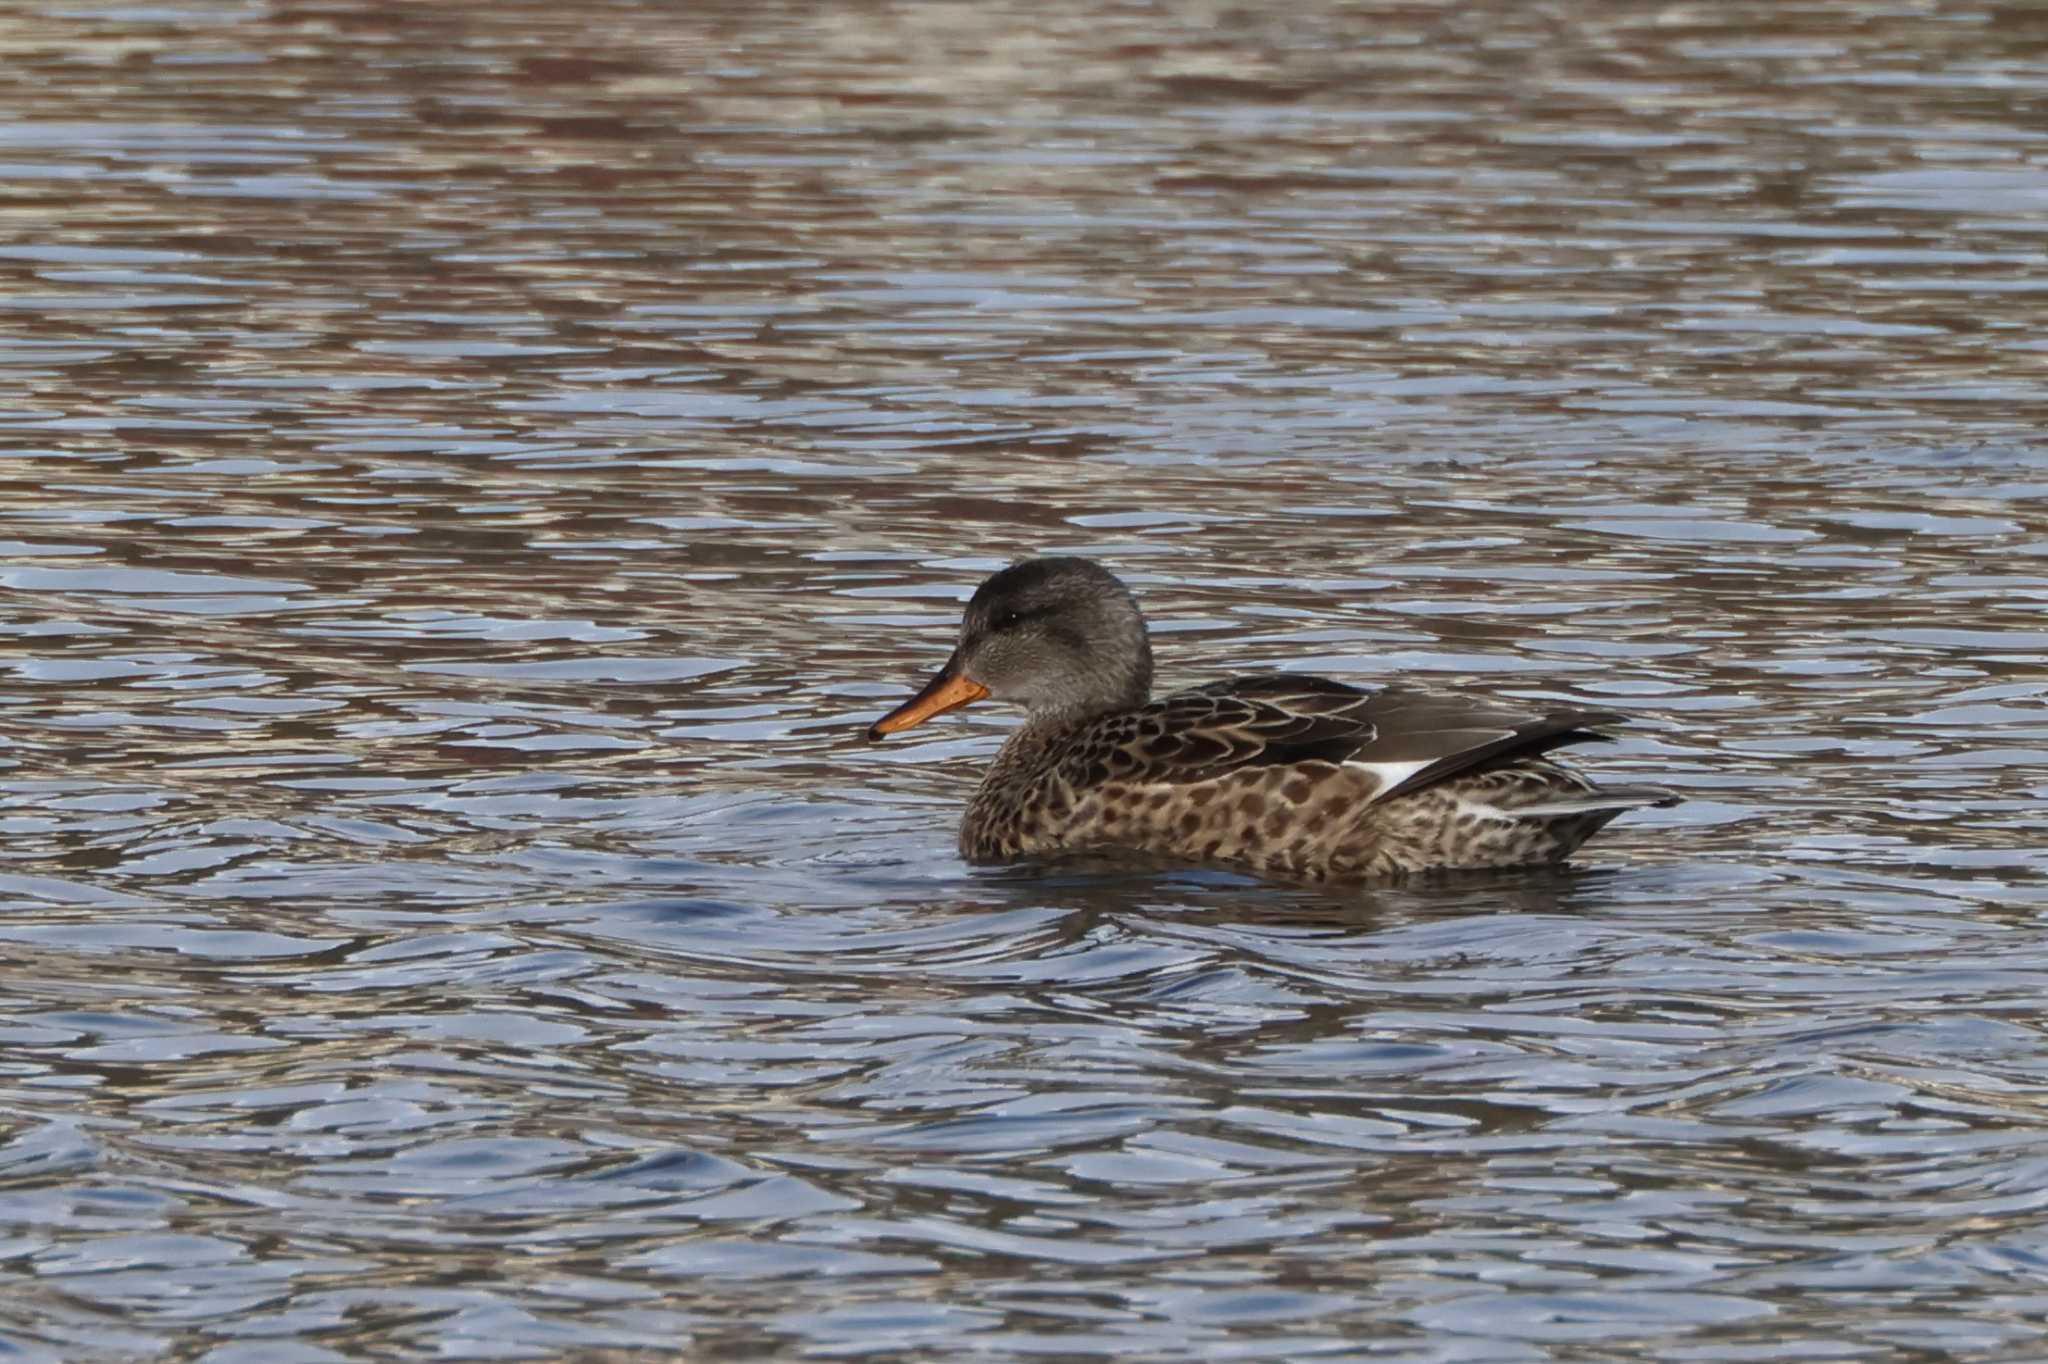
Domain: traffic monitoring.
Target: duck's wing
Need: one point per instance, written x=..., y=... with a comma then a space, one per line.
x=1405, y=738
x=1423, y=737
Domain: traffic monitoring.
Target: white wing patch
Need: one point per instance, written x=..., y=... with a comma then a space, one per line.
x=1390, y=775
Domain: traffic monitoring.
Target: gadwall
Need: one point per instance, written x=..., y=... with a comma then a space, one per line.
x=1276, y=773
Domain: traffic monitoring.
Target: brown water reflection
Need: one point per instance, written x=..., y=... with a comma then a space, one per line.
x=468, y=472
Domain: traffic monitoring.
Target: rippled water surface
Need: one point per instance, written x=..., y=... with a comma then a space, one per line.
x=469, y=471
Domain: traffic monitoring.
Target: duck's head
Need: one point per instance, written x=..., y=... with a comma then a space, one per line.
x=1050, y=635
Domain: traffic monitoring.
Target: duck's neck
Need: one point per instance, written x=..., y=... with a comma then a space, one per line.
x=1037, y=743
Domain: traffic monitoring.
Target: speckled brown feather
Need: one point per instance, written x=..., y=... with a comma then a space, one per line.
x=1263, y=773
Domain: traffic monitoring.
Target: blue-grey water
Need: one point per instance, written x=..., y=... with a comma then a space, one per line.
x=469, y=471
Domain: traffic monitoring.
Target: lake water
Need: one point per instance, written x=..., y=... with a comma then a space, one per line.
x=468, y=473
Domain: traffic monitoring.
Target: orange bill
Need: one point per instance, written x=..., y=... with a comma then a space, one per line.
x=948, y=691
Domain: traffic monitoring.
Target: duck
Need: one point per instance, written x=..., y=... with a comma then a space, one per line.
x=1277, y=774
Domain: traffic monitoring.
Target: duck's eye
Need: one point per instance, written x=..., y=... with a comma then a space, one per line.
x=1005, y=619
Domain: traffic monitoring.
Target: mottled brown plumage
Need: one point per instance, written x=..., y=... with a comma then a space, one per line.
x=1295, y=776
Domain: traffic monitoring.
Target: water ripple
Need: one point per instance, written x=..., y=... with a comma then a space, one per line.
x=473, y=476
